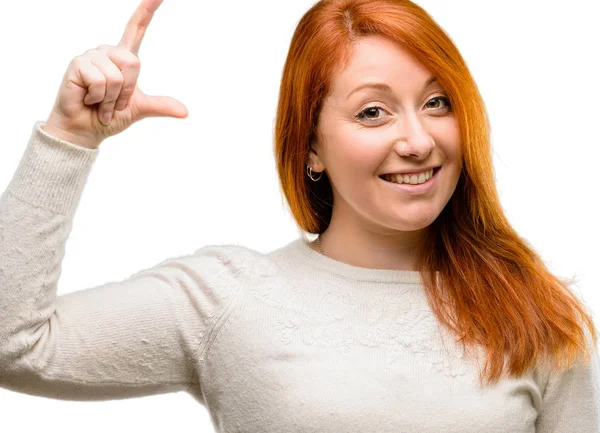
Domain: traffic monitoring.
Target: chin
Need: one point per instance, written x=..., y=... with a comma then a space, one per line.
x=411, y=224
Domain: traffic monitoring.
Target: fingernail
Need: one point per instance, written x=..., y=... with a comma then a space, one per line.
x=106, y=118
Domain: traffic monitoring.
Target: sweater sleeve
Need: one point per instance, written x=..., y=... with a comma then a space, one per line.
x=139, y=336
x=571, y=399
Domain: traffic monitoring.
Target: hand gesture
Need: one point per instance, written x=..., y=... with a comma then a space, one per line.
x=99, y=96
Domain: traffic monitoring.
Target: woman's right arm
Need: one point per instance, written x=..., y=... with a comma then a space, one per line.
x=143, y=335
x=140, y=336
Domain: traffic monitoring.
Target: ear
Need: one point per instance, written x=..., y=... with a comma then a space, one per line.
x=314, y=160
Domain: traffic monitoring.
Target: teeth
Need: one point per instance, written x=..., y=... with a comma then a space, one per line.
x=412, y=179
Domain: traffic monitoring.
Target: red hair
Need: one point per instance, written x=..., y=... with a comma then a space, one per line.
x=493, y=289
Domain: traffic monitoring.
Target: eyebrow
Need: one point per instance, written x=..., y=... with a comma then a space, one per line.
x=385, y=87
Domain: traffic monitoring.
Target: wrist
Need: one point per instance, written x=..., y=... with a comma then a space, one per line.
x=65, y=135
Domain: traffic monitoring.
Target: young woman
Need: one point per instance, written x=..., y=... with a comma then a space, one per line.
x=417, y=308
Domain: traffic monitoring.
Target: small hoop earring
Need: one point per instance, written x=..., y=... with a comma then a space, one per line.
x=310, y=174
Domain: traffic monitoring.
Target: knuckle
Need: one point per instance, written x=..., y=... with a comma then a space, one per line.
x=77, y=61
x=134, y=61
x=99, y=81
x=132, y=57
x=96, y=55
x=116, y=80
x=128, y=58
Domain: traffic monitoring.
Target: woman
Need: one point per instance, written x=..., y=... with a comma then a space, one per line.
x=417, y=308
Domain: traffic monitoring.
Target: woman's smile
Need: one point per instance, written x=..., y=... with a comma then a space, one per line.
x=415, y=189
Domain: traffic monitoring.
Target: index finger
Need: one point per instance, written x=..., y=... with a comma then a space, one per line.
x=137, y=25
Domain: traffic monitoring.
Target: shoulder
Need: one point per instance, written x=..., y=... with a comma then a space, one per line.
x=238, y=259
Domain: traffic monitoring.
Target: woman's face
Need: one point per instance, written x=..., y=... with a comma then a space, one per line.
x=366, y=133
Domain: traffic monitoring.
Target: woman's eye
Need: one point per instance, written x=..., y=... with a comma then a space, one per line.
x=367, y=112
x=441, y=98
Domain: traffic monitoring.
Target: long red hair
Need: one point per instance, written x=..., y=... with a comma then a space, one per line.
x=493, y=289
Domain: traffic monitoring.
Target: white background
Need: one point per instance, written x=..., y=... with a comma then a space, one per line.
x=166, y=186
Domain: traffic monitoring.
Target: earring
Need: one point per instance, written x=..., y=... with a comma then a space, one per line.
x=310, y=174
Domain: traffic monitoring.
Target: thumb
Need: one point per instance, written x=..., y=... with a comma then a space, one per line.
x=161, y=106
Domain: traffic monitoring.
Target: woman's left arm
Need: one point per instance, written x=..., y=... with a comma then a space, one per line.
x=571, y=400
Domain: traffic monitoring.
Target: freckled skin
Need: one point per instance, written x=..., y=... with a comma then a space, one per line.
x=372, y=225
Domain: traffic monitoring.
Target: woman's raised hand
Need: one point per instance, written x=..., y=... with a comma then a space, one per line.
x=99, y=96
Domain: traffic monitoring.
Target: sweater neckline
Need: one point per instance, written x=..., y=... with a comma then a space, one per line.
x=346, y=271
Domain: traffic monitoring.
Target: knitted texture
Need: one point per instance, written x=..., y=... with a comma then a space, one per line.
x=285, y=341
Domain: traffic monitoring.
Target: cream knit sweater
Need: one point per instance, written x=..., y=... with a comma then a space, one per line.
x=289, y=341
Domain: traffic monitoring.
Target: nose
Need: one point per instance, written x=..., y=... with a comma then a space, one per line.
x=413, y=138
